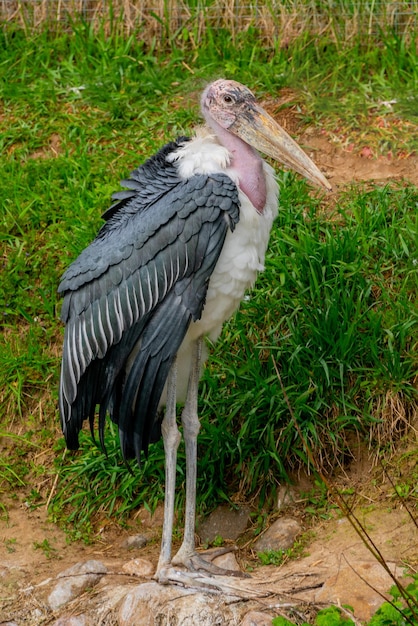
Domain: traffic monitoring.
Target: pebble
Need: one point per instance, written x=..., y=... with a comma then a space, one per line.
x=134, y=541
x=227, y=561
x=138, y=567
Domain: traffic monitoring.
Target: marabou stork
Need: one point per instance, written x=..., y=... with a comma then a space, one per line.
x=171, y=263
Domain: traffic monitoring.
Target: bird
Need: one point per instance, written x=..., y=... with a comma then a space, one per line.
x=180, y=246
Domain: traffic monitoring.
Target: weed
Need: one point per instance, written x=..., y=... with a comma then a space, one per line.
x=316, y=500
x=48, y=550
x=259, y=521
x=34, y=500
x=272, y=557
x=330, y=616
x=278, y=557
x=10, y=545
x=218, y=542
x=397, y=612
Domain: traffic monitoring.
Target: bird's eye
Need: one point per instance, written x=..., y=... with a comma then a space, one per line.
x=228, y=99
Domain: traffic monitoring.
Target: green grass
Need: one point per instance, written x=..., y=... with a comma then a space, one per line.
x=334, y=311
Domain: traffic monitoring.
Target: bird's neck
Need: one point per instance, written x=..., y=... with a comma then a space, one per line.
x=247, y=163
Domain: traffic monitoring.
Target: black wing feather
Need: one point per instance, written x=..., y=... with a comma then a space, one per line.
x=131, y=295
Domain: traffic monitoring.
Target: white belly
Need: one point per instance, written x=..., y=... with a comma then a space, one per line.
x=241, y=259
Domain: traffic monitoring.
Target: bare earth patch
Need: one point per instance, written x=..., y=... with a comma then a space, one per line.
x=336, y=567
x=343, y=167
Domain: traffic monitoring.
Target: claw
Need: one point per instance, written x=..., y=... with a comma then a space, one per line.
x=197, y=563
x=234, y=588
x=196, y=566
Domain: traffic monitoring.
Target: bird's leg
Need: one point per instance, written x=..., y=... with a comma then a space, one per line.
x=171, y=438
x=187, y=555
x=191, y=427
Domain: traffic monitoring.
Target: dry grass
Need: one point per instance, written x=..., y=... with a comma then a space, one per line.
x=159, y=22
x=395, y=417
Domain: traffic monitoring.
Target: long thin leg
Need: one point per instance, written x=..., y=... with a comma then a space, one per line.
x=187, y=555
x=191, y=427
x=171, y=438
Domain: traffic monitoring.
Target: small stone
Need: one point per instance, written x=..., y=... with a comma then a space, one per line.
x=227, y=561
x=280, y=536
x=135, y=541
x=74, y=580
x=139, y=567
x=36, y=613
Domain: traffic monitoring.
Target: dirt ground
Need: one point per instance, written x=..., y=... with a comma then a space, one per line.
x=334, y=566
x=33, y=550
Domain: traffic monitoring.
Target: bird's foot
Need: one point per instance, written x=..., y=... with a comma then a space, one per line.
x=233, y=587
x=195, y=562
x=190, y=569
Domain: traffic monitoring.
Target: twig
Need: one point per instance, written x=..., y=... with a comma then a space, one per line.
x=54, y=484
x=366, y=581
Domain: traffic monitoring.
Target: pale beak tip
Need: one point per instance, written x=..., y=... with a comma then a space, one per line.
x=323, y=182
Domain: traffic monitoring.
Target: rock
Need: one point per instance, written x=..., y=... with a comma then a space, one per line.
x=224, y=522
x=286, y=495
x=135, y=541
x=74, y=581
x=227, y=561
x=97, y=611
x=150, y=604
x=136, y=608
x=255, y=618
x=138, y=567
x=280, y=536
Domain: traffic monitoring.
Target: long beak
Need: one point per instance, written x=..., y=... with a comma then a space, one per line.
x=259, y=129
